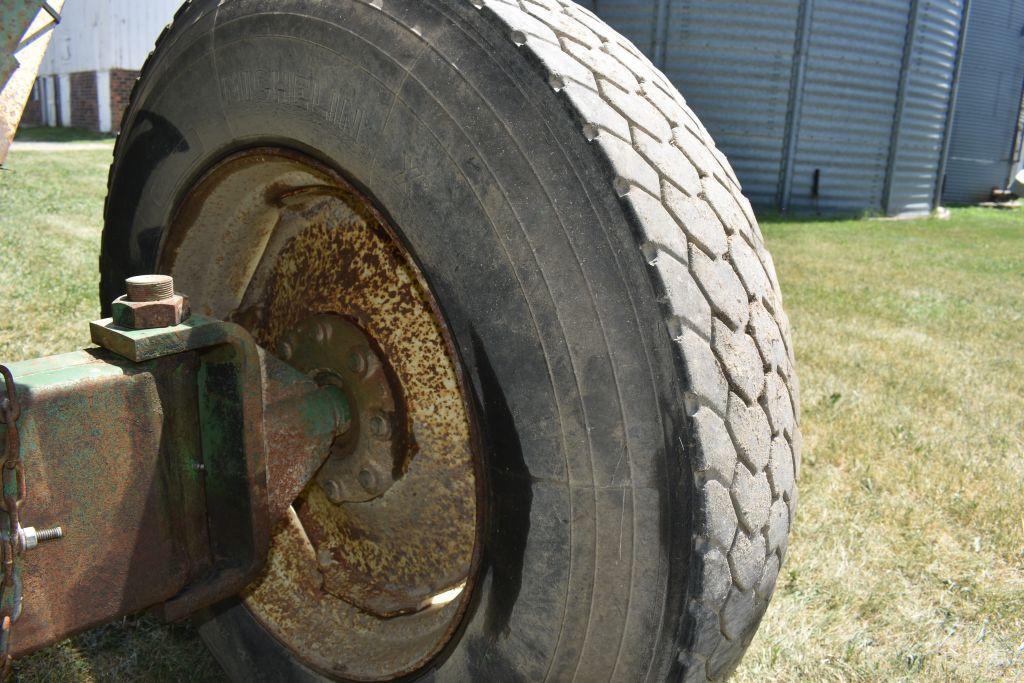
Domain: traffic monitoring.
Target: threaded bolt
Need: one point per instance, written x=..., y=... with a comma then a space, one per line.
x=29, y=537
x=148, y=288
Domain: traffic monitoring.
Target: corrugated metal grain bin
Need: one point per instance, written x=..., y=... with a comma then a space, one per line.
x=929, y=87
x=845, y=121
x=986, y=144
x=740, y=87
x=822, y=105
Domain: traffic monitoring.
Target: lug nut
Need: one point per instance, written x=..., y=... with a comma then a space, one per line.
x=368, y=480
x=380, y=427
x=357, y=363
x=332, y=490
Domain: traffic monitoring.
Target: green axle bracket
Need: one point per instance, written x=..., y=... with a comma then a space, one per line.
x=167, y=456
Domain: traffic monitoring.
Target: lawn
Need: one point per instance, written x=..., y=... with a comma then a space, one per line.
x=60, y=134
x=907, y=559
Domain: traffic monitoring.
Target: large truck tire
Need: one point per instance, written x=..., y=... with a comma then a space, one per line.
x=612, y=312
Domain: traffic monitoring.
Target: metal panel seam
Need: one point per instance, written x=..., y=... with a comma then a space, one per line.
x=661, y=34
x=796, y=88
x=901, y=99
x=954, y=91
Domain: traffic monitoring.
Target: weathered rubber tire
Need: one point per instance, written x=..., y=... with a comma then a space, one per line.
x=609, y=291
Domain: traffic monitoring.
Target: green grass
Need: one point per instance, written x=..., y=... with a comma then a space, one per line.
x=59, y=134
x=907, y=559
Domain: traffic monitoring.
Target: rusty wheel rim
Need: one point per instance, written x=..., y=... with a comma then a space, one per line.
x=365, y=587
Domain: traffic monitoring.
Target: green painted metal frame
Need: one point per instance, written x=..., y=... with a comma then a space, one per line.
x=167, y=456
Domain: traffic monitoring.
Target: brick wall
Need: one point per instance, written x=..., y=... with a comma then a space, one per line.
x=84, y=108
x=121, y=83
x=34, y=109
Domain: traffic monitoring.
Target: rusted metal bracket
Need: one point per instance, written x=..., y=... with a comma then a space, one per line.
x=25, y=31
x=167, y=455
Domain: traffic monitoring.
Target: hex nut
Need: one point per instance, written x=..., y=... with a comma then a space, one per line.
x=147, y=315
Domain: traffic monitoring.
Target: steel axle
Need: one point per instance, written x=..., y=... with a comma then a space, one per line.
x=166, y=456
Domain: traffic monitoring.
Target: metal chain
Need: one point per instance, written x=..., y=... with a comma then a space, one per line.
x=14, y=491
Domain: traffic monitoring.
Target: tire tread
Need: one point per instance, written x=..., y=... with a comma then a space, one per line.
x=722, y=305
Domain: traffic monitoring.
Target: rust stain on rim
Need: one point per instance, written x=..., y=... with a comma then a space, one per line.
x=270, y=238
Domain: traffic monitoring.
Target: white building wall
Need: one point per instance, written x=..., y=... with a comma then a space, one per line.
x=103, y=100
x=49, y=102
x=65, y=101
x=100, y=35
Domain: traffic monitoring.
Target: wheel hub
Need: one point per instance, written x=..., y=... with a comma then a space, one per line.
x=365, y=578
x=374, y=453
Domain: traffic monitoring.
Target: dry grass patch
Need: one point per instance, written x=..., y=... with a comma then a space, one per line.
x=907, y=559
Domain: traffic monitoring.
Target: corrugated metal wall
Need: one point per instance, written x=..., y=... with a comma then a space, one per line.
x=988, y=110
x=739, y=87
x=822, y=105
x=854, y=62
x=734, y=62
x=636, y=19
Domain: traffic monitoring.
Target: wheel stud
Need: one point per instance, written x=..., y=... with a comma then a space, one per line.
x=357, y=363
x=380, y=427
x=368, y=480
x=332, y=490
